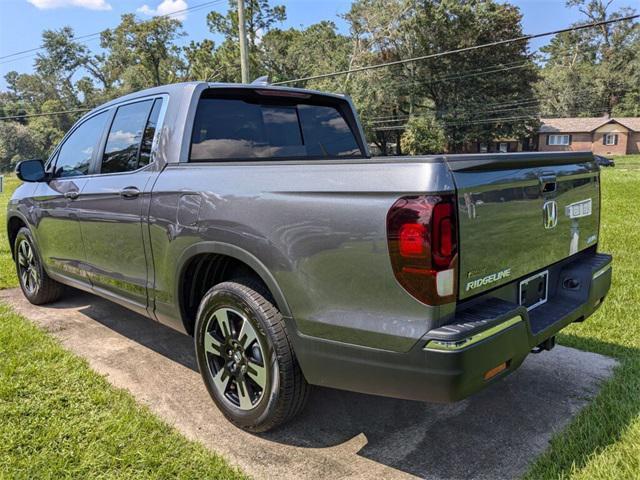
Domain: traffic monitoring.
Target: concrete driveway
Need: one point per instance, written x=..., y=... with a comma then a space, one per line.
x=493, y=435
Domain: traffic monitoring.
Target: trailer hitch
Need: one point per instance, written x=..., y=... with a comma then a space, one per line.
x=548, y=344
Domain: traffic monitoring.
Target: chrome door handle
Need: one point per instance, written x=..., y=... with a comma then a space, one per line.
x=72, y=195
x=129, y=192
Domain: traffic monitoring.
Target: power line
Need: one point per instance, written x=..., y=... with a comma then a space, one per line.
x=481, y=121
x=532, y=105
x=458, y=50
x=522, y=103
x=94, y=36
x=470, y=117
x=514, y=104
x=502, y=120
x=477, y=73
x=44, y=114
x=35, y=49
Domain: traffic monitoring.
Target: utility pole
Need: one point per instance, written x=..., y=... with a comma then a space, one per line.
x=244, y=54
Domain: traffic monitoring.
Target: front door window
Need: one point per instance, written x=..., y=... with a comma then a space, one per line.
x=75, y=154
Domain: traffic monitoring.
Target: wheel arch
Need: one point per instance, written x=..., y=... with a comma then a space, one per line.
x=14, y=223
x=242, y=262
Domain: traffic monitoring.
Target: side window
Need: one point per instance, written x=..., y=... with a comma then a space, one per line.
x=125, y=137
x=74, y=157
x=149, y=133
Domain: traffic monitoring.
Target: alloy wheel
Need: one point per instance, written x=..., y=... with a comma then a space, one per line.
x=235, y=358
x=28, y=267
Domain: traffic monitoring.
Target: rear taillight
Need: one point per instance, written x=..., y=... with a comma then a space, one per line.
x=423, y=246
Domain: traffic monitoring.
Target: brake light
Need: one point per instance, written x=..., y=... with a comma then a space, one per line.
x=412, y=239
x=423, y=244
x=282, y=93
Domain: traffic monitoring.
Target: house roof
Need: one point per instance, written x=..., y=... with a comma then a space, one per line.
x=585, y=124
x=632, y=123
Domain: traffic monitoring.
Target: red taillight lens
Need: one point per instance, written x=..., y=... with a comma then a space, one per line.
x=422, y=238
x=412, y=236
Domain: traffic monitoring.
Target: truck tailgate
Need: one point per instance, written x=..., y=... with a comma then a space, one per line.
x=519, y=213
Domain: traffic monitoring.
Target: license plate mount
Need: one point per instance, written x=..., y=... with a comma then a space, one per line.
x=534, y=290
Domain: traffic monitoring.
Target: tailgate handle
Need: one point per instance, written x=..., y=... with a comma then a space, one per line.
x=548, y=183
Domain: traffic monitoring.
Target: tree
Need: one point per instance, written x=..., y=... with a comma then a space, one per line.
x=477, y=94
x=595, y=71
x=383, y=31
x=462, y=90
x=51, y=88
x=423, y=135
x=201, y=61
x=260, y=18
x=67, y=76
x=292, y=53
x=16, y=143
x=143, y=54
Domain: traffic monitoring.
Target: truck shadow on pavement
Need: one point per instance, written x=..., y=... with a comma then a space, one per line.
x=494, y=434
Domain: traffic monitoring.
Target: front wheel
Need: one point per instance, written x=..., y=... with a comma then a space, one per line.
x=245, y=358
x=36, y=285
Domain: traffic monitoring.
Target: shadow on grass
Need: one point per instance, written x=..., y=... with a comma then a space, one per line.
x=600, y=424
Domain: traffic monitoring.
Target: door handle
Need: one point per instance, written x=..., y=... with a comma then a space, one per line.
x=129, y=192
x=72, y=195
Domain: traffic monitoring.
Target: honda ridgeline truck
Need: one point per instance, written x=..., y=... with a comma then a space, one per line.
x=254, y=219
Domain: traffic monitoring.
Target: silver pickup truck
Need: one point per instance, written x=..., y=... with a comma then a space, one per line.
x=254, y=219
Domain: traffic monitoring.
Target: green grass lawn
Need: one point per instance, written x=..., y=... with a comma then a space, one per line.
x=603, y=442
x=58, y=418
x=62, y=420
x=8, y=277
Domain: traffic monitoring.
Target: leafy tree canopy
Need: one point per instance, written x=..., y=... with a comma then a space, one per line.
x=443, y=103
x=593, y=72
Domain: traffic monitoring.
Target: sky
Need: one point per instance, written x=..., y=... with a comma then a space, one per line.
x=22, y=21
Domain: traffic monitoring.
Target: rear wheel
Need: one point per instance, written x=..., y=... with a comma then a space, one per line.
x=245, y=357
x=36, y=285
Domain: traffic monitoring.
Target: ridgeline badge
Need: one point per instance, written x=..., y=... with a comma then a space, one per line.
x=487, y=280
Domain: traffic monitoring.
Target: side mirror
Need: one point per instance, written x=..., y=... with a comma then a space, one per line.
x=31, y=171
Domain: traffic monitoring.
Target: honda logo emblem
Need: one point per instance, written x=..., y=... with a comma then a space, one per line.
x=550, y=214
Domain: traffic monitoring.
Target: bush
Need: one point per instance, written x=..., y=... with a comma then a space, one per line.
x=423, y=135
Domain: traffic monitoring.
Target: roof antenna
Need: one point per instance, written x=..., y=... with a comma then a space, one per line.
x=263, y=81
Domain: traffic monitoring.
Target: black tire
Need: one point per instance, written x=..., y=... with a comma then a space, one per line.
x=285, y=389
x=36, y=285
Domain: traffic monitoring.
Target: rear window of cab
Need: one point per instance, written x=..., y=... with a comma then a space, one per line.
x=249, y=125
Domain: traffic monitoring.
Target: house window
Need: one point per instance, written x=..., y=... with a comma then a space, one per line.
x=558, y=140
x=503, y=147
x=610, y=139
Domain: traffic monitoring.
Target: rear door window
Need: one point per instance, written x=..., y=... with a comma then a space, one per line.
x=237, y=128
x=122, y=150
x=149, y=134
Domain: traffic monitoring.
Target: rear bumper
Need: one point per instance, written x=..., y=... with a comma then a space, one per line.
x=485, y=333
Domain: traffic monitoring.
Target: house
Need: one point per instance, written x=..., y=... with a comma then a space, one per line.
x=601, y=135
x=499, y=145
